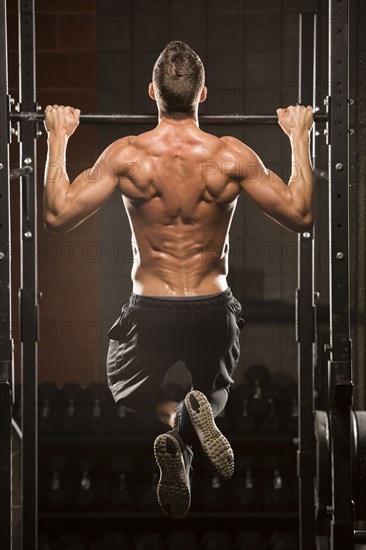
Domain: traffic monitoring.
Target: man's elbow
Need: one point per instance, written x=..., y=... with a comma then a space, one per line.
x=305, y=223
x=53, y=224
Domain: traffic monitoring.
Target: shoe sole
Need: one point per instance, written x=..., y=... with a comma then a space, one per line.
x=214, y=444
x=173, y=490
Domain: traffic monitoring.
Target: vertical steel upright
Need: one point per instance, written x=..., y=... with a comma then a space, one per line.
x=339, y=365
x=6, y=347
x=306, y=310
x=28, y=291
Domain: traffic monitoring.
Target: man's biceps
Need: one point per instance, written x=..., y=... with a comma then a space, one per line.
x=99, y=173
x=254, y=175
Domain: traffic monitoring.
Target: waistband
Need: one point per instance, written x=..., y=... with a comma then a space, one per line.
x=188, y=303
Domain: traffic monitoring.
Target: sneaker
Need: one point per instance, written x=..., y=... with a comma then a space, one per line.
x=201, y=432
x=174, y=459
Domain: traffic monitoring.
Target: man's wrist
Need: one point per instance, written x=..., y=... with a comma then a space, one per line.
x=302, y=137
x=57, y=136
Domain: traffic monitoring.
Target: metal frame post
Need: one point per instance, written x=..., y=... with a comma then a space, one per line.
x=28, y=292
x=6, y=346
x=339, y=366
x=306, y=310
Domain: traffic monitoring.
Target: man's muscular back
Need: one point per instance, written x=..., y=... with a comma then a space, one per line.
x=180, y=187
x=180, y=201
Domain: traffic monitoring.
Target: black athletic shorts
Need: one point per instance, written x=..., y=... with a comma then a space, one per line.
x=153, y=333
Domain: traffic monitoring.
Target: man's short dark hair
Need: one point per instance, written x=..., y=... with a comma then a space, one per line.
x=178, y=78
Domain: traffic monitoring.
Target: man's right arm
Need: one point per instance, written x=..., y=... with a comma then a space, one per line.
x=290, y=205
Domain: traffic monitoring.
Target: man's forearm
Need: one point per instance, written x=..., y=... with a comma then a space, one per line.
x=57, y=183
x=301, y=184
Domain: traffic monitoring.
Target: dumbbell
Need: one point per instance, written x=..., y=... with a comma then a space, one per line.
x=148, y=541
x=262, y=404
x=43, y=542
x=71, y=541
x=247, y=491
x=71, y=408
x=147, y=498
x=278, y=494
x=284, y=540
x=272, y=421
x=182, y=539
x=48, y=408
x=122, y=419
x=113, y=540
x=216, y=540
x=55, y=487
x=250, y=540
x=98, y=408
x=213, y=493
x=86, y=496
x=244, y=420
x=121, y=495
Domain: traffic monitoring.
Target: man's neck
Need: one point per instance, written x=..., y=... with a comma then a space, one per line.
x=166, y=120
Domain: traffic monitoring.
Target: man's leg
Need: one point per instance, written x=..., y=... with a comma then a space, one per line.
x=135, y=382
x=137, y=363
x=211, y=359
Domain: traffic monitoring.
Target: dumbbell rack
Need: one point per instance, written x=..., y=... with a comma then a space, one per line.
x=140, y=447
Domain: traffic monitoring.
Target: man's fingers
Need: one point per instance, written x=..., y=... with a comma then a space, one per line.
x=309, y=107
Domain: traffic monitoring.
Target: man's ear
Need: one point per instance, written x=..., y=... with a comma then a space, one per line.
x=152, y=91
x=203, y=94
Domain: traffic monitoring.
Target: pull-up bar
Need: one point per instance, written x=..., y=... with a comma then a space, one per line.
x=117, y=118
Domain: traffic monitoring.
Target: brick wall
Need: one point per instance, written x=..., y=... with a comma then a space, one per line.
x=66, y=74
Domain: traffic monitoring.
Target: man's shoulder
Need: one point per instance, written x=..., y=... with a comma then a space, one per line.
x=233, y=142
x=233, y=147
x=123, y=142
x=119, y=147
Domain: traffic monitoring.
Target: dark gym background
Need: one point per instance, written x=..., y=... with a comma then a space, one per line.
x=98, y=56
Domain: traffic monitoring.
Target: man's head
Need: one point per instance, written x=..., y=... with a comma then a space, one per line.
x=178, y=81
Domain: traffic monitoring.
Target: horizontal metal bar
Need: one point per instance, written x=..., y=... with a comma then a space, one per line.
x=20, y=172
x=116, y=118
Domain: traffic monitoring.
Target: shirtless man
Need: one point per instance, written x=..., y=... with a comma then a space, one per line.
x=180, y=187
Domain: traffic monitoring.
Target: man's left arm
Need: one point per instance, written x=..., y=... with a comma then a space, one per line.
x=66, y=204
